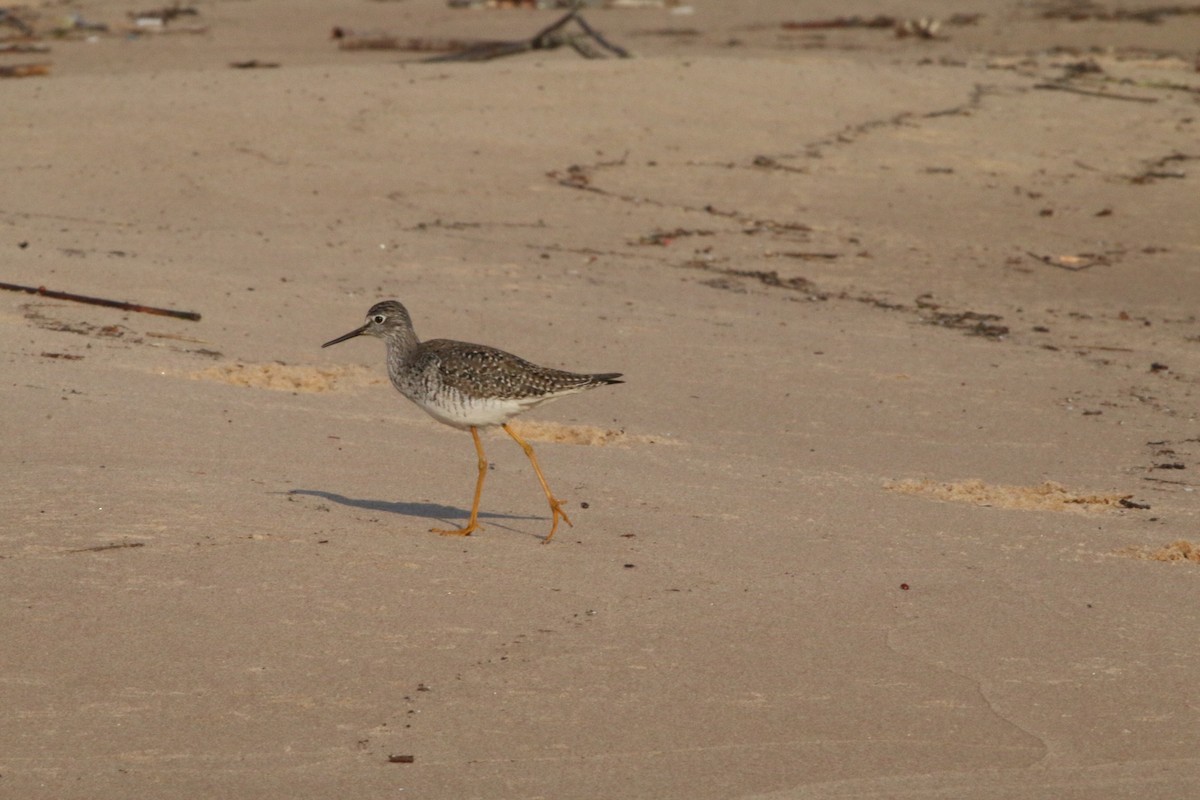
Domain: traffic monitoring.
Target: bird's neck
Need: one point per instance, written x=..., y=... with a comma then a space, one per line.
x=401, y=347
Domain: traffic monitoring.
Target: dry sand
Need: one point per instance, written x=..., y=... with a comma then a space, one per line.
x=831, y=264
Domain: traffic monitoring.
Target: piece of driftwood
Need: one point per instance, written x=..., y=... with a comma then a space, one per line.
x=100, y=301
x=9, y=17
x=1066, y=87
x=548, y=38
x=23, y=70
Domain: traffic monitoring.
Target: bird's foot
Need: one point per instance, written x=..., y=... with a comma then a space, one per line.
x=467, y=531
x=557, y=511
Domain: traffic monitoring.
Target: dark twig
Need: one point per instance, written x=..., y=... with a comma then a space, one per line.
x=547, y=38
x=101, y=547
x=23, y=70
x=1062, y=87
x=544, y=33
x=8, y=17
x=620, y=52
x=99, y=301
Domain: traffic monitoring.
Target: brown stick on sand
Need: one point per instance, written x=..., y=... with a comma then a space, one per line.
x=547, y=38
x=24, y=70
x=99, y=301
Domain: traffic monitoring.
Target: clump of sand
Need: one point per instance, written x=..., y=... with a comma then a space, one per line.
x=1048, y=496
x=1175, y=552
x=577, y=434
x=286, y=377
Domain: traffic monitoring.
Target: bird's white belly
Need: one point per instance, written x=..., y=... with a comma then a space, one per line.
x=466, y=412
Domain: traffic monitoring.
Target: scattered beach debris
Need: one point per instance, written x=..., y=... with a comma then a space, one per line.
x=33, y=26
x=153, y=27
x=728, y=278
x=30, y=27
x=254, y=63
x=1072, y=263
x=99, y=301
x=39, y=319
x=162, y=20
x=1156, y=169
x=24, y=70
x=10, y=18
x=921, y=28
x=162, y=15
x=1167, y=455
x=973, y=323
x=549, y=38
x=72, y=26
x=662, y=238
x=771, y=162
x=1093, y=12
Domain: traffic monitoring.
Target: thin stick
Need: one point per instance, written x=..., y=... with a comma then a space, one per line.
x=1062, y=87
x=595, y=34
x=539, y=38
x=547, y=38
x=99, y=301
x=23, y=70
x=98, y=548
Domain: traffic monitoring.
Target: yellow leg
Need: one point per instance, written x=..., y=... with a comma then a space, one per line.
x=555, y=505
x=472, y=523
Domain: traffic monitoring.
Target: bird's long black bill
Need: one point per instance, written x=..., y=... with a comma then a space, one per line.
x=350, y=335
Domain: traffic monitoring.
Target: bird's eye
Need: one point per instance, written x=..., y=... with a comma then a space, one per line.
x=378, y=319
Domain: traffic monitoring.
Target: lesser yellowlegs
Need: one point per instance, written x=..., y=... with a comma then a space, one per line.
x=470, y=386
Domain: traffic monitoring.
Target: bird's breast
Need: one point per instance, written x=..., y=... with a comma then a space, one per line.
x=461, y=411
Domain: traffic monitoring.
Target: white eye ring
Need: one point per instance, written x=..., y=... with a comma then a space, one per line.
x=378, y=319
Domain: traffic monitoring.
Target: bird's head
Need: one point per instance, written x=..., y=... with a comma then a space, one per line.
x=383, y=320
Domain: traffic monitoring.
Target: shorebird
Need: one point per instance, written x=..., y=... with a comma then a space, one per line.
x=470, y=386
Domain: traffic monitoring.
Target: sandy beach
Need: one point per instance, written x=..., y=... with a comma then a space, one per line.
x=898, y=498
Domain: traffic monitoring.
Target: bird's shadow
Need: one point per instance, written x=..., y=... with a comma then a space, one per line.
x=433, y=511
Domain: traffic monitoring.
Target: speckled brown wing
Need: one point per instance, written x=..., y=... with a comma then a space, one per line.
x=477, y=370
